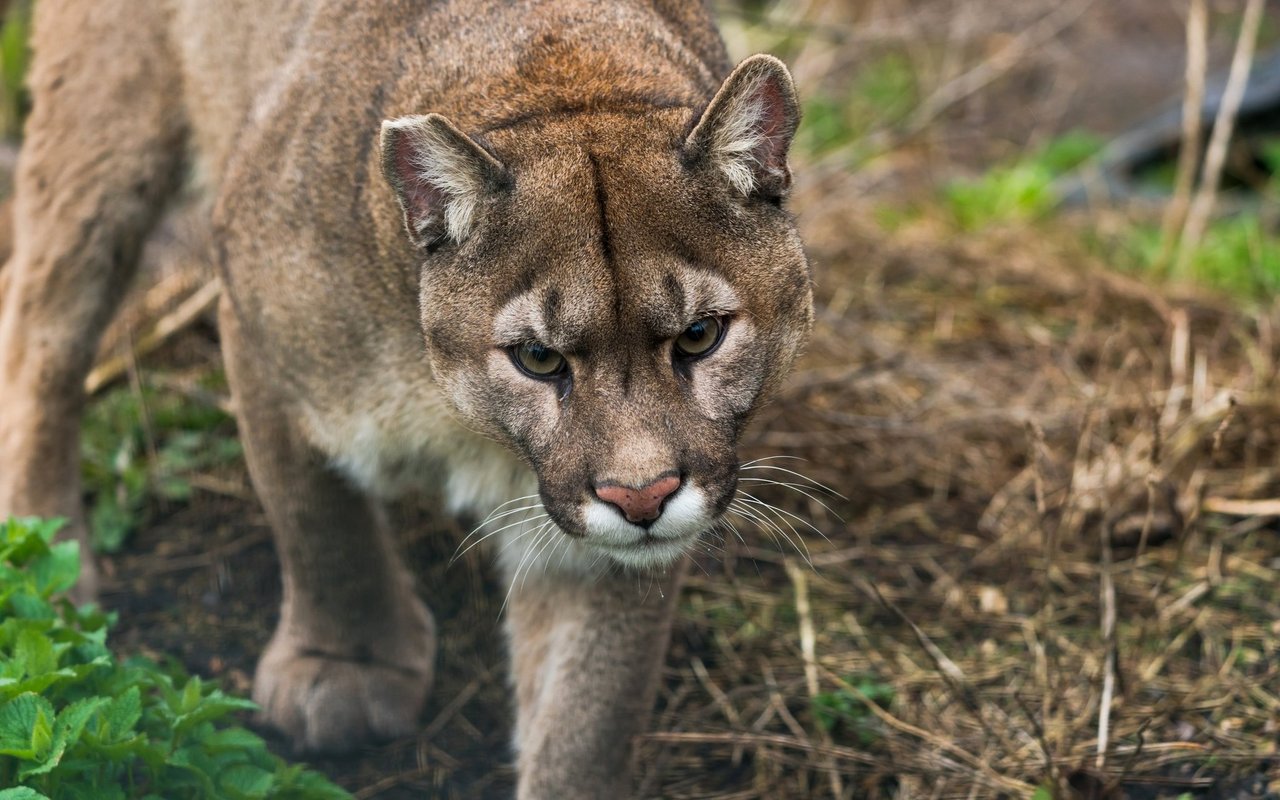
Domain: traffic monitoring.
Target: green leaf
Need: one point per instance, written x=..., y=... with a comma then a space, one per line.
x=212, y=707
x=190, y=696
x=136, y=730
x=72, y=719
x=58, y=571
x=25, y=726
x=246, y=782
x=66, y=730
x=29, y=606
x=294, y=783
x=138, y=747
x=34, y=653
x=42, y=731
x=233, y=739
x=124, y=712
x=21, y=793
x=32, y=529
x=35, y=684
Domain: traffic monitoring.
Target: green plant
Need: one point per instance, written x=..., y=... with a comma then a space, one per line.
x=140, y=446
x=1237, y=255
x=843, y=711
x=77, y=723
x=1022, y=191
x=14, y=55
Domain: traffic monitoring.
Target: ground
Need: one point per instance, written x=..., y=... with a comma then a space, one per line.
x=1013, y=528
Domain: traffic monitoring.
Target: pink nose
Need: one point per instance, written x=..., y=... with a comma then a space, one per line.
x=639, y=505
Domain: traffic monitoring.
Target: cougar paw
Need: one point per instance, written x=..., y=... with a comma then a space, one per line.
x=330, y=704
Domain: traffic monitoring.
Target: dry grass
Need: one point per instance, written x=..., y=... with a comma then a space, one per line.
x=1025, y=440
x=1032, y=454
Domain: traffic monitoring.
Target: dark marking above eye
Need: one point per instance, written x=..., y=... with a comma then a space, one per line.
x=602, y=202
x=446, y=340
x=551, y=307
x=675, y=292
x=606, y=238
x=626, y=375
x=523, y=285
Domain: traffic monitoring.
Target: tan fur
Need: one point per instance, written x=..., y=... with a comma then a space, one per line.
x=571, y=173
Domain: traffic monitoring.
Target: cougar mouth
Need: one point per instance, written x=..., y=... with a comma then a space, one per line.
x=684, y=517
x=649, y=552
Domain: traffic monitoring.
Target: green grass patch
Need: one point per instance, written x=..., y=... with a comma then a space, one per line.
x=15, y=54
x=139, y=449
x=76, y=723
x=845, y=715
x=1238, y=255
x=1021, y=191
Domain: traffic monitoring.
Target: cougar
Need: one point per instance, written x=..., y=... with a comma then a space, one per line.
x=530, y=258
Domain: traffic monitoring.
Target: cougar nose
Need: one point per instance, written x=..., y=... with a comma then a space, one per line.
x=639, y=505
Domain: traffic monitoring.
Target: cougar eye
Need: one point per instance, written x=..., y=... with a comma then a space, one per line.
x=700, y=338
x=537, y=360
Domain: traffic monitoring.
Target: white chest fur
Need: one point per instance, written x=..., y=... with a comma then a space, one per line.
x=411, y=445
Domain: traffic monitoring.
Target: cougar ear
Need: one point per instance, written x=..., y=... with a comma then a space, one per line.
x=747, y=129
x=439, y=174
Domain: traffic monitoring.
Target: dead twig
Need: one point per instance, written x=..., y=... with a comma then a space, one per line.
x=1242, y=508
x=1223, y=125
x=164, y=329
x=800, y=582
x=1189, y=153
x=1108, y=592
x=744, y=739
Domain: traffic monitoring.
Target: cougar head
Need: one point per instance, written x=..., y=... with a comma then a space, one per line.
x=612, y=295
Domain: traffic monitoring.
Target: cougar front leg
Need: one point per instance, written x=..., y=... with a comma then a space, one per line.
x=587, y=655
x=100, y=156
x=352, y=657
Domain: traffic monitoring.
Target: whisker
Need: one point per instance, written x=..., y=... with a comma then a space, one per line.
x=782, y=511
x=803, y=549
x=515, y=577
x=608, y=570
x=509, y=502
x=711, y=548
x=778, y=514
x=535, y=531
x=772, y=458
x=798, y=489
x=727, y=523
x=766, y=508
x=551, y=540
x=738, y=534
x=815, y=483
x=494, y=517
x=568, y=546
x=492, y=533
x=764, y=525
x=772, y=527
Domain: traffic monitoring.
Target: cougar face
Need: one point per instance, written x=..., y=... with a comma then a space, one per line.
x=611, y=305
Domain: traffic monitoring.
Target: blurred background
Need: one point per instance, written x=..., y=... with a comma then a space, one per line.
x=1016, y=532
